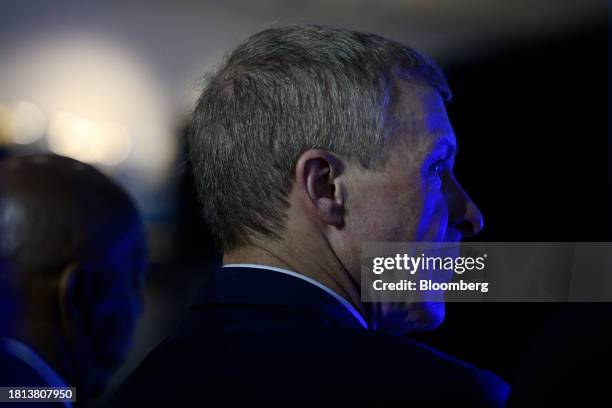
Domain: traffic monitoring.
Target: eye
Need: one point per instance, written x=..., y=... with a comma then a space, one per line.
x=434, y=174
x=437, y=168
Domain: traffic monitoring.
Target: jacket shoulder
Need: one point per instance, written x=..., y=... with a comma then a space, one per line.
x=329, y=363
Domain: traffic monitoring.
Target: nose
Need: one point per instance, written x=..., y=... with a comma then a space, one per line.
x=464, y=215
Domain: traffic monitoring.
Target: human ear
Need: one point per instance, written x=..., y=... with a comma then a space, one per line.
x=74, y=296
x=319, y=180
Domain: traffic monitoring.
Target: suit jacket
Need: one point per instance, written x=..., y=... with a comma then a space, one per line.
x=17, y=373
x=258, y=337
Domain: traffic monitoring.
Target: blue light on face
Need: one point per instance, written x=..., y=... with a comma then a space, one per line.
x=119, y=275
x=435, y=173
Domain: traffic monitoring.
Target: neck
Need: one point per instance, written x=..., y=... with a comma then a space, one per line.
x=305, y=257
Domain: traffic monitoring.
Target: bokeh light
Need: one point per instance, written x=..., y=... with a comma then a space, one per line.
x=95, y=101
x=85, y=140
x=26, y=123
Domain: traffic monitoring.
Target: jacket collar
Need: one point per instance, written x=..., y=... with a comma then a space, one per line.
x=261, y=285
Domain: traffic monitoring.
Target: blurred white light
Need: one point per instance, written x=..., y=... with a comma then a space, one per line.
x=105, y=98
x=87, y=141
x=5, y=124
x=118, y=143
x=60, y=134
x=27, y=123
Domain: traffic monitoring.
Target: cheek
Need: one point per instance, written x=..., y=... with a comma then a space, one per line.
x=115, y=323
x=433, y=218
x=386, y=214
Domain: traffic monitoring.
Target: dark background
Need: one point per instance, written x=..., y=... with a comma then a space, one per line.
x=532, y=123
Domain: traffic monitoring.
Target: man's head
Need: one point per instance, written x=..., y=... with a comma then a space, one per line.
x=72, y=263
x=335, y=136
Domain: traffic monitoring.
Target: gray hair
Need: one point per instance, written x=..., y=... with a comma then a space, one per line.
x=282, y=92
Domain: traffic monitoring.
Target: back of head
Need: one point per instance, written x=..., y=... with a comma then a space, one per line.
x=284, y=91
x=72, y=258
x=54, y=210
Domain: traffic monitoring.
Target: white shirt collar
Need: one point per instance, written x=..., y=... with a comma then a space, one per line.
x=29, y=357
x=340, y=299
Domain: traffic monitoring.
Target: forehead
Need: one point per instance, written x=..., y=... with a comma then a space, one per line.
x=420, y=119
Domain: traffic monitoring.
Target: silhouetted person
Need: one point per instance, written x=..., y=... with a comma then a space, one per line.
x=72, y=264
x=307, y=142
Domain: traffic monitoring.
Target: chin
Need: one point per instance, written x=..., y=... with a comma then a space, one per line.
x=420, y=316
x=429, y=315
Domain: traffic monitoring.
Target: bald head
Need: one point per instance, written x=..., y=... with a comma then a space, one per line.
x=54, y=210
x=72, y=262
